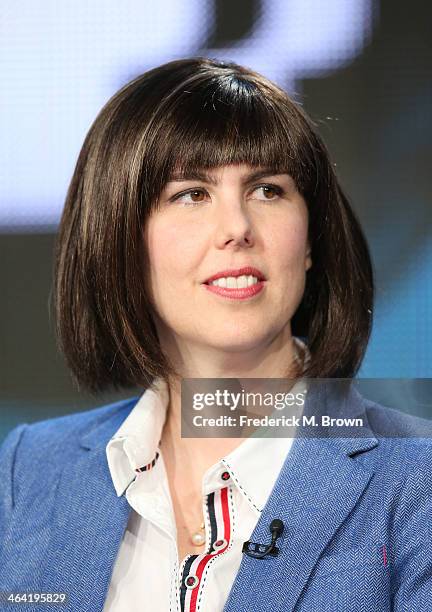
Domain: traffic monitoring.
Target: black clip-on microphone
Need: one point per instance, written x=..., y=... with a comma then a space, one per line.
x=254, y=550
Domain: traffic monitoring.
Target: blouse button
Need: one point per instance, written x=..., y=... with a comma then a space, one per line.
x=219, y=544
x=225, y=475
x=191, y=581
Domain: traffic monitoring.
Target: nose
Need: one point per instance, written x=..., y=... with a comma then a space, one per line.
x=233, y=227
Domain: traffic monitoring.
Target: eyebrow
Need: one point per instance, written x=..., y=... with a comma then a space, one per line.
x=203, y=176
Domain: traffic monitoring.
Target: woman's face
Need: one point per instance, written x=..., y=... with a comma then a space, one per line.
x=226, y=219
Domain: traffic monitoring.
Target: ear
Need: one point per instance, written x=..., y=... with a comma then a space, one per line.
x=308, y=259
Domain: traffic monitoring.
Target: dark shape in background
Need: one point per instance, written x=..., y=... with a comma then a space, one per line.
x=233, y=21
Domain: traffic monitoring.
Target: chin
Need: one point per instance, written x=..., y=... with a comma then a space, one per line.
x=237, y=343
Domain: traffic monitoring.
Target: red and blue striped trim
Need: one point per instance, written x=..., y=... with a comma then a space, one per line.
x=149, y=466
x=220, y=520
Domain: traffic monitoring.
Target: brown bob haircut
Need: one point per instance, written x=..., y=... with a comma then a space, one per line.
x=184, y=116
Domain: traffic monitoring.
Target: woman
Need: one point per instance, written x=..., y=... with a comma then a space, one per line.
x=195, y=170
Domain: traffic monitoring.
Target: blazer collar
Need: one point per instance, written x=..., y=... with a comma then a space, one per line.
x=103, y=430
x=317, y=488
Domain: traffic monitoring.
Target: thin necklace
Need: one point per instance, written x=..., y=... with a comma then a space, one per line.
x=198, y=537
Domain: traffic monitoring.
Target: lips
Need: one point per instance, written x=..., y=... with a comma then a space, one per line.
x=246, y=271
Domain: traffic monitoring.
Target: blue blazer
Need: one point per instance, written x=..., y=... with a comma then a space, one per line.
x=357, y=514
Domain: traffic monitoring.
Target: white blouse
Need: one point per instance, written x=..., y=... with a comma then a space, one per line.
x=234, y=490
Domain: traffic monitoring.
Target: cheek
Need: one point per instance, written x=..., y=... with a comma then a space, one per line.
x=170, y=249
x=288, y=245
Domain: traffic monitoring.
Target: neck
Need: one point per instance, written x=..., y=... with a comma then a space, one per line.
x=198, y=454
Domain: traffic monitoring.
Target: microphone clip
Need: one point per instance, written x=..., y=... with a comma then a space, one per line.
x=253, y=549
x=259, y=551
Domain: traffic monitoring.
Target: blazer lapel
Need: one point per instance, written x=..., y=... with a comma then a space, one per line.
x=317, y=488
x=88, y=525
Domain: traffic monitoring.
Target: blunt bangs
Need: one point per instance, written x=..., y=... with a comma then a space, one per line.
x=226, y=120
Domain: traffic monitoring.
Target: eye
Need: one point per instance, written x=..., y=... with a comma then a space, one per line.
x=269, y=192
x=191, y=196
